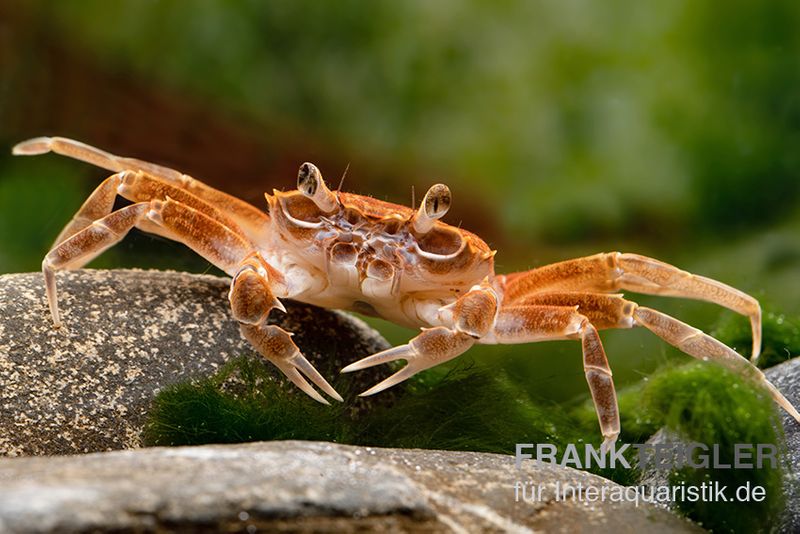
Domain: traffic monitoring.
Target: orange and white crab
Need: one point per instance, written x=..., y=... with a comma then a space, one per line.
x=341, y=250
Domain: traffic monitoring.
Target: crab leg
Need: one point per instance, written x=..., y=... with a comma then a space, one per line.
x=89, y=154
x=471, y=315
x=137, y=187
x=98, y=205
x=704, y=347
x=615, y=270
x=213, y=241
x=251, y=293
x=246, y=215
x=525, y=324
x=85, y=245
x=252, y=298
x=432, y=347
x=613, y=311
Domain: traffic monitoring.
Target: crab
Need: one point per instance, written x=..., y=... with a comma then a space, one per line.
x=341, y=250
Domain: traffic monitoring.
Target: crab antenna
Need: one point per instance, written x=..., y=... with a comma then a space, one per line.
x=311, y=184
x=434, y=206
x=341, y=182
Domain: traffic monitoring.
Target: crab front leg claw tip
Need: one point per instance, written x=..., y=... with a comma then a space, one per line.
x=275, y=344
x=251, y=300
x=432, y=347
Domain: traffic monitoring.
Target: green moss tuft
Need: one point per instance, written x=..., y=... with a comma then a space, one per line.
x=474, y=409
x=467, y=408
x=240, y=403
x=711, y=405
x=781, y=336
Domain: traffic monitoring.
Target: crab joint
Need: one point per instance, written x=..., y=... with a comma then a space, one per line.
x=250, y=297
x=434, y=206
x=311, y=184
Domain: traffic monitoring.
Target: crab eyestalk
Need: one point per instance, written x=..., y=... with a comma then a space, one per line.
x=434, y=206
x=311, y=184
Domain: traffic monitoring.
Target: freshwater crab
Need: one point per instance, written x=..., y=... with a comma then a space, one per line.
x=341, y=250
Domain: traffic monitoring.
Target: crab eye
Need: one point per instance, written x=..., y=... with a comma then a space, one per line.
x=311, y=185
x=308, y=178
x=434, y=206
x=437, y=201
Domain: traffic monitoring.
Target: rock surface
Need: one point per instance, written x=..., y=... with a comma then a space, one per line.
x=304, y=486
x=786, y=378
x=86, y=387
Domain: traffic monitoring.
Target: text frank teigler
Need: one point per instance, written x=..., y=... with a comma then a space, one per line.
x=644, y=456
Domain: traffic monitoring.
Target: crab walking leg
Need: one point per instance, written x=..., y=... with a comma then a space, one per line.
x=137, y=187
x=601, y=385
x=613, y=311
x=85, y=245
x=602, y=309
x=525, y=324
x=251, y=294
x=704, y=347
x=89, y=154
x=246, y=215
x=215, y=242
x=615, y=270
x=98, y=205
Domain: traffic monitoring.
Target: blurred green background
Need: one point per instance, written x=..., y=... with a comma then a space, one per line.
x=563, y=129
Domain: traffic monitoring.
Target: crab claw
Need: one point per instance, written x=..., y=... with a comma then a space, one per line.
x=276, y=345
x=432, y=347
x=292, y=367
x=402, y=352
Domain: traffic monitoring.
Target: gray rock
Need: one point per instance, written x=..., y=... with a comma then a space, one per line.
x=303, y=487
x=653, y=476
x=87, y=386
x=786, y=378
